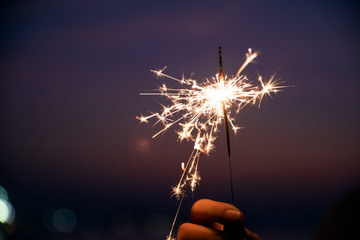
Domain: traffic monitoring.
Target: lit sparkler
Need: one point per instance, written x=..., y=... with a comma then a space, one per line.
x=199, y=108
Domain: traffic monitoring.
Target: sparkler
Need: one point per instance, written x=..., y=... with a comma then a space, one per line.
x=226, y=127
x=199, y=108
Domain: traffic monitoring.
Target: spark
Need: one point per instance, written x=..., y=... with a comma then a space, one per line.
x=199, y=108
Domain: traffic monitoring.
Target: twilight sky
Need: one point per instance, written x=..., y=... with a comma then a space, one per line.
x=71, y=73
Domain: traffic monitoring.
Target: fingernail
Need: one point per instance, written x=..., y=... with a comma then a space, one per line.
x=232, y=215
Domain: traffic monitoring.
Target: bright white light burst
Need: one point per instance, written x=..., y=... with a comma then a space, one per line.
x=198, y=109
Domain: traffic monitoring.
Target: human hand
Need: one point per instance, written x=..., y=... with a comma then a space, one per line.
x=213, y=220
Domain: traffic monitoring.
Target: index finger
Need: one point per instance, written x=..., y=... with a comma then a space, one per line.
x=207, y=212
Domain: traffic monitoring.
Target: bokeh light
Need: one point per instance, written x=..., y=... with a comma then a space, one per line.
x=4, y=211
x=123, y=224
x=3, y=194
x=64, y=220
x=157, y=225
x=142, y=145
x=7, y=212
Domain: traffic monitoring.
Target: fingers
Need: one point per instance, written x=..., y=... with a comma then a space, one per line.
x=251, y=235
x=206, y=212
x=190, y=231
x=216, y=221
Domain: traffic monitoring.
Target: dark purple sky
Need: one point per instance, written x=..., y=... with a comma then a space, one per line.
x=71, y=73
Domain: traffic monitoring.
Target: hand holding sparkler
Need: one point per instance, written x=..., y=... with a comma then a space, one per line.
x=215, y=220
x=199, y=108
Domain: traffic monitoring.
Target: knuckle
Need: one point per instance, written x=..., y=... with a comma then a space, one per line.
x=198, y=204
x=197, y=210
x=183, y=231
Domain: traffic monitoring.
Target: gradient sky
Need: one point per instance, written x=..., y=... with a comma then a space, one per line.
x=71, y=73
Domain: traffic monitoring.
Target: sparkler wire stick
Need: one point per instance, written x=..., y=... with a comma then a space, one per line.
x=174, y=221
x=226, y=127
x=199, y=108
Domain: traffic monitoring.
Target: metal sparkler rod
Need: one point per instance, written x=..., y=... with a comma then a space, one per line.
x=221, y=76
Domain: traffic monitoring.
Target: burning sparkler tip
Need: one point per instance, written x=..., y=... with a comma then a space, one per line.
x=159, y=73
x=141, y=119
x=199, y=108
x=177, y=192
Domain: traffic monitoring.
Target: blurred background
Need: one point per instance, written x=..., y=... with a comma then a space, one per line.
x=75, y=162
